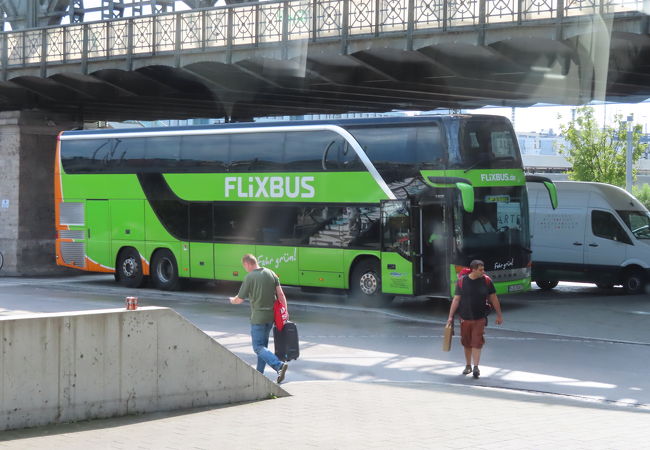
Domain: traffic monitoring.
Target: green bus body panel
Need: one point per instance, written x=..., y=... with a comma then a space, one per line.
x=315, y=187
x=127, y=219
x=202, y=260
x=481, y=177
x=321, y=259
x=398, y=280
x=98, y=232
x=281, y=260
x=184, y=262
x=116, y=245
x=102, y=186
x=321, y=267
x=227, y=261
x=322, y=279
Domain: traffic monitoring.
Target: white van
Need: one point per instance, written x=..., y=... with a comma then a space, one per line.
x=599, y=233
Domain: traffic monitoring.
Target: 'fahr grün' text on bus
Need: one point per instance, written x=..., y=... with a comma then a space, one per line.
x=380, y=207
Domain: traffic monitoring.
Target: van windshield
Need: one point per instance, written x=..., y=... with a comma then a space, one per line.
x=638, y=222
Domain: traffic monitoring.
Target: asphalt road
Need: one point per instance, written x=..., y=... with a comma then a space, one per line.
x=575, y=341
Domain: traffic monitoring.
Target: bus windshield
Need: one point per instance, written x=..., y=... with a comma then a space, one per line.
x=485, y=143
x=498, y=226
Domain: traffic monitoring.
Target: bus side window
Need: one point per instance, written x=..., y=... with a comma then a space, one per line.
x=279, y=223
x=396, y=228
x=303, y=150
x=348, y=158
x=256, y=152
x=339, y=155
x=201, y=221
x=237, y=222
x=162, y=153
x=204, y=153
x=126, y=155
x=368, y=232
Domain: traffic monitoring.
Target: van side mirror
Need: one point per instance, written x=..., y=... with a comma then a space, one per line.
x=462, y=184
x=548, y=184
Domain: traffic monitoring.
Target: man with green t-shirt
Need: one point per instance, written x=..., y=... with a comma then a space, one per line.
x=261, y=287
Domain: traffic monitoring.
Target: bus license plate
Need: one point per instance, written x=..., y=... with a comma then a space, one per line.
x=515, y=288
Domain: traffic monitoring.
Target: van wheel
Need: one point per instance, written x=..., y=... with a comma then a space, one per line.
x=129, y=268
x=365, y=284
x=633, y=282
x=546, y=285
x=164, y=271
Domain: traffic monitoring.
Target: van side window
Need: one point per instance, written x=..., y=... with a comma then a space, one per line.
x=605, y=225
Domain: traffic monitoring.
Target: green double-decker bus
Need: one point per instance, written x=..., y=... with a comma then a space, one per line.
x=379, y=207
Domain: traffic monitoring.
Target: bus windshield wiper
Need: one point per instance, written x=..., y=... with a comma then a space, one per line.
x=481, y=160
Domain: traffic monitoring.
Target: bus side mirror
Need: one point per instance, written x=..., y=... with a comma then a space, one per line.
x=467, y=195
x=548, y=184
x=462, y=184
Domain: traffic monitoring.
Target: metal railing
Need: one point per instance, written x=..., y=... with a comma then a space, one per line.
x=277, y=22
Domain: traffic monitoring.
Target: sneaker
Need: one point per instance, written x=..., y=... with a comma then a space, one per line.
x=477, y=373
x=281, y=372
x=468, y=369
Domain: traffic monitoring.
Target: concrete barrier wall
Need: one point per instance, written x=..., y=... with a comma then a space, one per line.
x=92, y=364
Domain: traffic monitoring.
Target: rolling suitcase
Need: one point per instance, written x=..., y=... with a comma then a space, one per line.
x=286, y=342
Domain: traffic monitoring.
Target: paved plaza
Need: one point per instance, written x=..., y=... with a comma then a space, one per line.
x=348, y=415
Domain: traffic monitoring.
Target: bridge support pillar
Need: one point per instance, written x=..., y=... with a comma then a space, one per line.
x=27, y=148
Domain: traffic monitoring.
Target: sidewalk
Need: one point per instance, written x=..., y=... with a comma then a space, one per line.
x=347, y=415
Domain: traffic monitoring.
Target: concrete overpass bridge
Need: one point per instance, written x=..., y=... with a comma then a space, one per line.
x=329, y=56
x=286, y=58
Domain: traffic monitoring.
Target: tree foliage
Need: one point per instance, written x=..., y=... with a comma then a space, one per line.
x=642, y=194
x=598, y=153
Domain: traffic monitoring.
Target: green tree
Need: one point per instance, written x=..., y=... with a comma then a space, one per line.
x=642, y=194
x=599, y=153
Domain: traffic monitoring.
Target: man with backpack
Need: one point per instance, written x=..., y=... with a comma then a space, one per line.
x=474, y=297
x=261, y=286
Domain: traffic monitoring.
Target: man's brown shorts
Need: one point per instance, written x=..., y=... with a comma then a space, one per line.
x=471, y=333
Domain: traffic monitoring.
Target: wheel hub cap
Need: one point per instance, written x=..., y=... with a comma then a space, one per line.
x=368, y=283
x=129, y=267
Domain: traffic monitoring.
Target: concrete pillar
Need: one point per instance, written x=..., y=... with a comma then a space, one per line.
x=27, y=148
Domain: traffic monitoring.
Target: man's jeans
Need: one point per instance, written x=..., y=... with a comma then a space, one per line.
x=260, y=334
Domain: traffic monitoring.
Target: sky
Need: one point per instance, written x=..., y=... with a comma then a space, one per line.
x=543, y=118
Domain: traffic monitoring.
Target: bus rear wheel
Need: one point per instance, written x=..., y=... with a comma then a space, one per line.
x=546, y=285
x=129, y=268
x=365, y=284
x=164, y=271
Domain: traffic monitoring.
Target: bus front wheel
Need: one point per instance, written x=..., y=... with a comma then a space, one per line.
x=365, y=284
x=164, y=271
x=129, y=268
x=546, y=285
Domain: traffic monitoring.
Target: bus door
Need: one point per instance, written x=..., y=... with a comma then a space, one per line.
x=98, y=232
x=432, y=236
x=396, y=248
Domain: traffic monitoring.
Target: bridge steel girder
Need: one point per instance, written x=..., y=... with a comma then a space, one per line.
x=519, y=65
x=23, y=14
